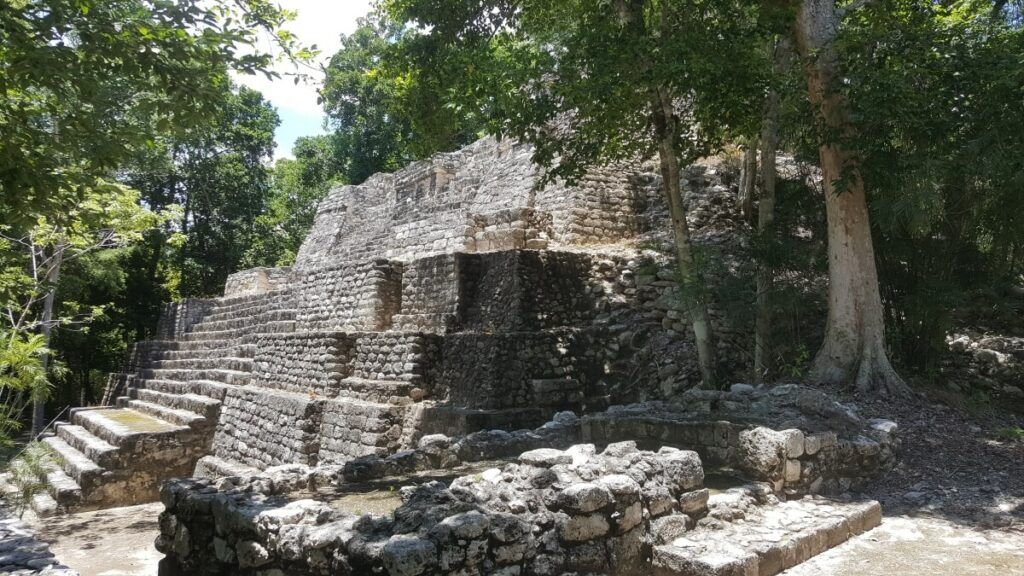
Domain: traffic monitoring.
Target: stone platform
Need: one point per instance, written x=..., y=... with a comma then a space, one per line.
x=618, y=511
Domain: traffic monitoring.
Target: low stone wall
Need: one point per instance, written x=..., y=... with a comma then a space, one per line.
x=797, y=439
x=551, y=512
x=351, y=429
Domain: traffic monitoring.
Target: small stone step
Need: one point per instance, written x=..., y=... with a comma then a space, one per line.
x=774, y=539
x=173, y=415
x=63, y=488
x=234, y=377
x=241, y=351
x=44, y=505
x=76, y=464
x=120, y=426
x=202, y=405
x=214, y=467
x=208, y=388
x=98, y=450
x=220, y=362
x=369, y=390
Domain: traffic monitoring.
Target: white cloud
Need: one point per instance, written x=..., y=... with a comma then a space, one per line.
x=319, y=22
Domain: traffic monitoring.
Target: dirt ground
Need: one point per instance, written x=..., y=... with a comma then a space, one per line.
x=115, y=542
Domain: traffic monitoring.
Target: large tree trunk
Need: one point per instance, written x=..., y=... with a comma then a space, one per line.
x=52, y=276
x=766, y=213
x=665, y=126
x=854, y=347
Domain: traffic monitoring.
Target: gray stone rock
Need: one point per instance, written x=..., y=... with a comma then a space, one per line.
x=545, y=457
x=408, y=555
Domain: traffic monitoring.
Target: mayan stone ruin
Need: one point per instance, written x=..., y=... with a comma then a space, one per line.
x=508, y=360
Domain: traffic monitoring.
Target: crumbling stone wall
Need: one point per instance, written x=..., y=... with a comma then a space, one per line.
x=552, y=512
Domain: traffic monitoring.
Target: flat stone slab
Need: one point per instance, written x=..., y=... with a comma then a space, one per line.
x=905, y=545
x=771, y=540
x=125, y=421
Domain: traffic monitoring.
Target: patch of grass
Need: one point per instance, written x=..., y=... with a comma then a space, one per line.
x=1015, y=433
x=28, y=473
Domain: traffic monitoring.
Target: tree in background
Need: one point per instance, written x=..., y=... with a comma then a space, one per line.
x=384, y=110
x=223, y=183
x=84, y=83
x=297, y=186
x=108, y=216
x=936, y=94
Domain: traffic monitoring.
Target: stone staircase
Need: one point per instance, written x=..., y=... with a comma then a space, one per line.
x=165, y=419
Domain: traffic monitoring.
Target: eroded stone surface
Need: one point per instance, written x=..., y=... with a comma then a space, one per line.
x=553, y=512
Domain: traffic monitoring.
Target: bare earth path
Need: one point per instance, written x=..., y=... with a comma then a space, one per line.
x=114, y=542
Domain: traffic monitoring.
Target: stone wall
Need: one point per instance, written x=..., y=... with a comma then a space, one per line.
x=359, y=295
x=351, y=429
x=796, y=439
x=303, y=361
x=264, y=428
x=481, y=198
x=551, y=512
x=257, y=280
x=177, y=318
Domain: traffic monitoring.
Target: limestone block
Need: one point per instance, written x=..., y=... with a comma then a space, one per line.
x=584, y=527
x=408, y=556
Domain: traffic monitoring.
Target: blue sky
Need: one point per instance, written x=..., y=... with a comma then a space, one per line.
x=319, y=22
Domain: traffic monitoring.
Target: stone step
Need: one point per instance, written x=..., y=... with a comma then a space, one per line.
x=368, y=390
x=120, y=426
x=249, y=311
x=234, y=377
x=208, y=388
x=234, y=302
x=63, y=488
x=220, y=336
x=211, y=346
x=239, y=351
x=236, y=364
x=214, y=467
x=98, y=450
x=202, y=405
x=770, y=540
x=422, y=322
x=77, y=465
x=246, y=322
x=172, y=415
x=44, y=505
